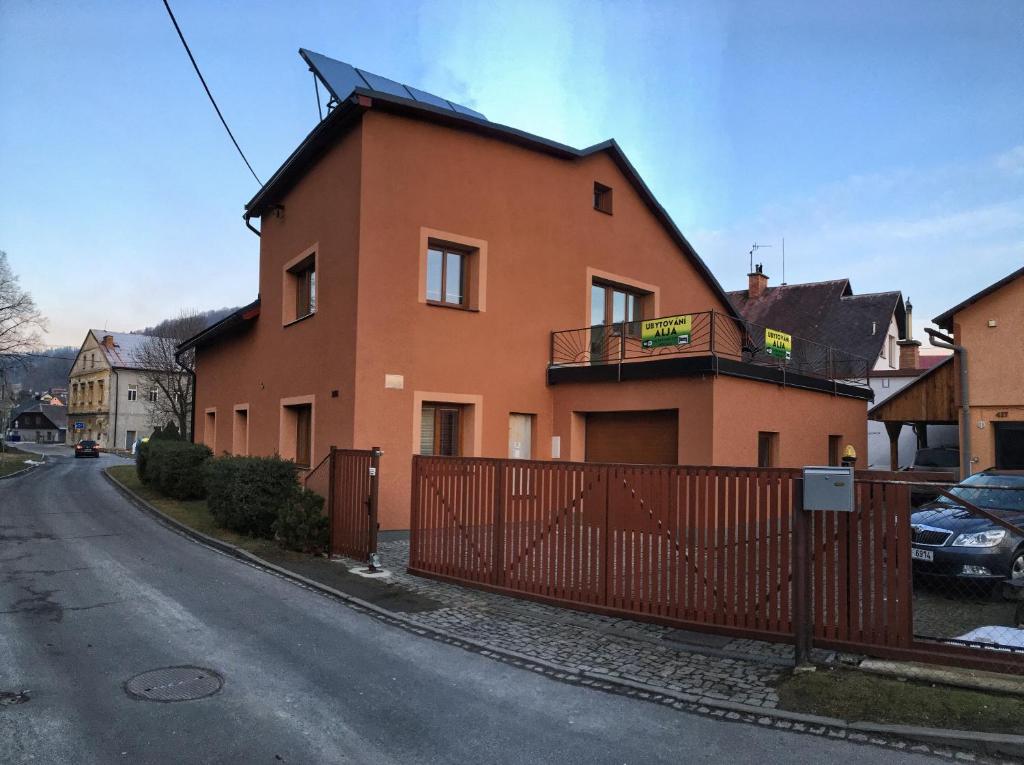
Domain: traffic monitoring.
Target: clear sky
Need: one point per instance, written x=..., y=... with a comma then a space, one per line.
x=884, y=141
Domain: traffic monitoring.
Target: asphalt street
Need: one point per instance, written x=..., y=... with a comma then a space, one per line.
x=94, y=592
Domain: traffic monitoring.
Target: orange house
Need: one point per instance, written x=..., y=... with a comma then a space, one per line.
x=432, y=282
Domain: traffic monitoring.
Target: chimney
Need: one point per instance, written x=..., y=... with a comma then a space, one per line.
x=910, y=320
x=910, y=354
x=108, y=341
x=757, y=282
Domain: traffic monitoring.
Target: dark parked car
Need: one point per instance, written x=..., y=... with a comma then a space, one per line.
x=951, y=541
x=87, y=449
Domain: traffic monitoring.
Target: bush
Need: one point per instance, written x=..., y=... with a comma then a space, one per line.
x=169, y=433
x=301, y=524
x=141, y=460
x=245, y=494
x=176, y=468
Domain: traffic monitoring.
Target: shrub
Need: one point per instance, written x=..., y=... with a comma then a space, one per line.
x=176, y=468
x=301, y=524
x=141, y=460
x=169, y=433
x=245, y=494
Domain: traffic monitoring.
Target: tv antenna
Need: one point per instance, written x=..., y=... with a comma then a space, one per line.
x=754, y=249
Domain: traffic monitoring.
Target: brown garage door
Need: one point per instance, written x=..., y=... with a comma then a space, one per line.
x=644, y=438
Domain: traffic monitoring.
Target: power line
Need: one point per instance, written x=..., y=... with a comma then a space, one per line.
x=208, y=93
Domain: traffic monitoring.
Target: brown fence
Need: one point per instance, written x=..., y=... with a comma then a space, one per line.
x=347, y=479
x=718, y=549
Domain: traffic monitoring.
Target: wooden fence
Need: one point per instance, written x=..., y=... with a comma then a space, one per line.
x=347, y=479
x=695, y=547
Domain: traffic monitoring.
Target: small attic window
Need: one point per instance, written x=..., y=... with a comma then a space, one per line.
x=602, y=198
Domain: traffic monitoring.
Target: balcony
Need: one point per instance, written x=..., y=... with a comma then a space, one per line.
x=707, y=342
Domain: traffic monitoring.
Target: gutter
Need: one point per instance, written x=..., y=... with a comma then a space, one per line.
x=945, y=341
x=249, y=226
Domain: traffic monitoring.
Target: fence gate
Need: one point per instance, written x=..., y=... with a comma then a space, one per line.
x=348, y=480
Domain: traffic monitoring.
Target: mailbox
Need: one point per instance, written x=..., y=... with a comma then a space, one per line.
x=828, y=488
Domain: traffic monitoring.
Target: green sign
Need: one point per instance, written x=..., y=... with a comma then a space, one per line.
x=778, y=344
x=668, y=330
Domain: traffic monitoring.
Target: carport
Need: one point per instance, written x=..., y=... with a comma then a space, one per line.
x=929, y=400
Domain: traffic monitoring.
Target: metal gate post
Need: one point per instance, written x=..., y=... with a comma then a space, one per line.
x=331, y=496
x=372, y=524
x=803, y=616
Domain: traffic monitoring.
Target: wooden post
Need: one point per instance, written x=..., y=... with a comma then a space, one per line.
x=414, y=515
x=894, y=429
x=375, y=454
x=803, y=616
x=498, y=549
x=331, y=496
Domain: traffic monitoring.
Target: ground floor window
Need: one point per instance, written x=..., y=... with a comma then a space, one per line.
x=129, y=439
x=303, y=434
x=767, y=449
x=240, y=432
x=441, y=430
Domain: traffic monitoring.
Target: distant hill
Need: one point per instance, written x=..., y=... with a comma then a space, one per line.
x=209, y=317
x=48, y=369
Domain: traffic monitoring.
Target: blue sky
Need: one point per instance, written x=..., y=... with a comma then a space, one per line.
x=884, y=141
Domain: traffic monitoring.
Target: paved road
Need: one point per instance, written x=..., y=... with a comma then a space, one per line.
x=93, y=592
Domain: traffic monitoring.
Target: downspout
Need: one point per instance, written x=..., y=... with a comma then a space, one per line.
x=117, y=396
x=940, y=340
x=249, y=226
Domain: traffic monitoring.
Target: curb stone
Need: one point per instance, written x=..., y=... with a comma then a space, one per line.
x=29, y=469
x=949, y=743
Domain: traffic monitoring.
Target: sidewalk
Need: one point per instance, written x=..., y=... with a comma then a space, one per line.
x=728, y=669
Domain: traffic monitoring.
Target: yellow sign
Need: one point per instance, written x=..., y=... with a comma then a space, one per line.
x=668, y=330
x=778, y=344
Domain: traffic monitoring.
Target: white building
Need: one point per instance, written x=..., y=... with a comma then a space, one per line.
x=109, y=398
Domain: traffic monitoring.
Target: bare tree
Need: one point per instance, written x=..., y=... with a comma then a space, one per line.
x=172, y=377
x=20, y=320
x=20, y=325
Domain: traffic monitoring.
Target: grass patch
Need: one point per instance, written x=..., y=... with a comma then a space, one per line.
x=193, y=513
x=12, y=460
x=858, y=696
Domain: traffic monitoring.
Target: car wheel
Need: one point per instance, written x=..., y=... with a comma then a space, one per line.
x=1017, y=567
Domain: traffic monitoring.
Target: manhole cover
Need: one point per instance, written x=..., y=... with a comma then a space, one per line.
x=174, y=684
x=8, y=698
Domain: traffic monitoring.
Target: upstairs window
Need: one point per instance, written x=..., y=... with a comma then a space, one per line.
x=133, y=392
x=299, y=296
x=152, y=395
x=602, y=198
x=447, y=274
x=612, y=304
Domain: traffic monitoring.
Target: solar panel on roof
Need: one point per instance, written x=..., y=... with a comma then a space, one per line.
x=342, y=79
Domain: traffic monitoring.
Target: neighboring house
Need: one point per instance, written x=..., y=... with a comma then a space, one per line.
x=872, y=326
x=434, y=283
x=989, y=326
x=867, y=326
x=41, y=421
x=109, y=396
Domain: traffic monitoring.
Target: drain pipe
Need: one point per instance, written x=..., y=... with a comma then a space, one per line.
x=945, y=341
x=249, y=226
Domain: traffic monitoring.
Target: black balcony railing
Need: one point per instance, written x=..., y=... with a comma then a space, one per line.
x=708, y=333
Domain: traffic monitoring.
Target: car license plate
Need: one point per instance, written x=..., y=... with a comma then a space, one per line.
x=918, y=554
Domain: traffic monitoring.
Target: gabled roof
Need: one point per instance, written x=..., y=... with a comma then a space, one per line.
x=945, y=320
x=230, y=324
x=57, y=415
x=127, y=347
x=828, y=313
x=350, y=110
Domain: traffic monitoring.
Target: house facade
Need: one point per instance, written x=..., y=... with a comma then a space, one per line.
x=109, y=397
x=988, y=327
x=43, y=421
x=433, y=283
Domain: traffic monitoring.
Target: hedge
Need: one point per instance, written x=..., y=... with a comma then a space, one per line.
x=246, y=494
x=174, y=468
x=301, y=524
